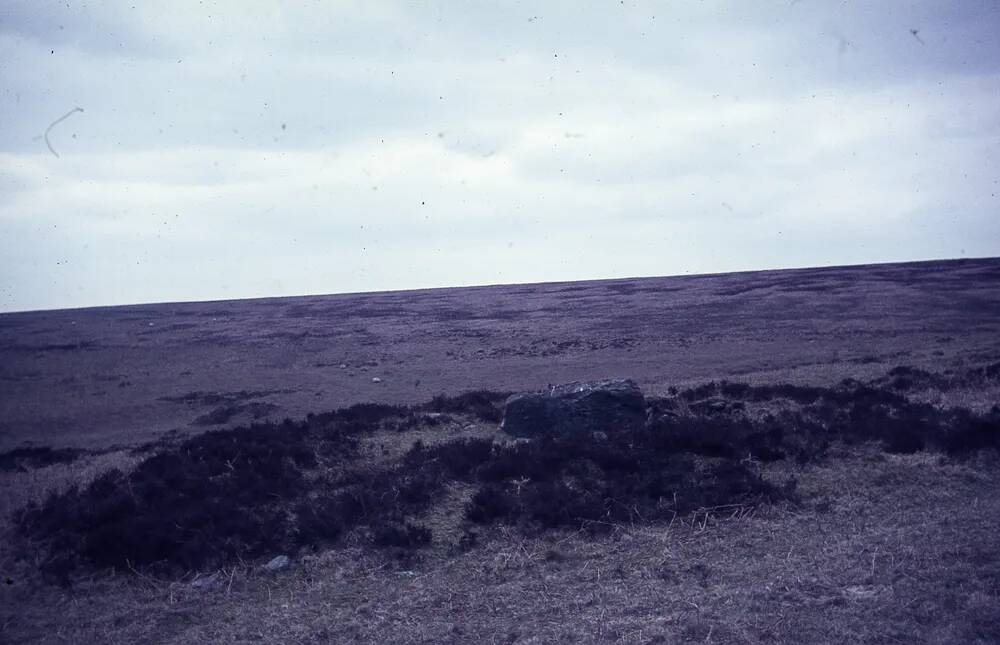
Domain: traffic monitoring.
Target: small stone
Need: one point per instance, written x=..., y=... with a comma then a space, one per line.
x=213, y=581
x=278, y=563
x=656, y=417
x=343, y=366
x=862, y=592
x=376, y=379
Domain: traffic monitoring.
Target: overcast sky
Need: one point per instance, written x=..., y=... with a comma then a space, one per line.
x=241, y=149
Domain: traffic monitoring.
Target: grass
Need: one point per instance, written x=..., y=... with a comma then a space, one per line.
x=229, y=495
x=739, y=514
x=238, y=494
x=482, y=404
x=884, y=548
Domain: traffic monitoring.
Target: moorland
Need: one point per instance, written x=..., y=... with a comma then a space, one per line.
x=819, y=464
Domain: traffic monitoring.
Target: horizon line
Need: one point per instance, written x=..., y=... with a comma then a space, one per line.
x=494, y=285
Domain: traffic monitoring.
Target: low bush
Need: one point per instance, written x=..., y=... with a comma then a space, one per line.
x=583, y=481
x=991, y=372
x=456, y=459
x=746, y=392
x=267, y=488
x=322, y=519
x=966, y=433
x=851, y=412
x=406, y=536
x=219, y=495
x=490, y=503
x=362, y=417
x=482, y=404
x=796, y=393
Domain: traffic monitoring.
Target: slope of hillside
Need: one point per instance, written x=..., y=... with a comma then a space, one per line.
x=862, y=512
x=93, y=378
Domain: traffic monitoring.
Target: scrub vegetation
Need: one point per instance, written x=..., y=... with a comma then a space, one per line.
x=228, y=496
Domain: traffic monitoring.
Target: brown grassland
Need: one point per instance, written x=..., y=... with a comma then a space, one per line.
x=863, y=511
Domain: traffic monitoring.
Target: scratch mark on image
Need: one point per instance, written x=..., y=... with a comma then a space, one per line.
x=54, y=124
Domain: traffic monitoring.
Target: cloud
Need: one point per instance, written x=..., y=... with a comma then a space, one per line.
x=308, y=148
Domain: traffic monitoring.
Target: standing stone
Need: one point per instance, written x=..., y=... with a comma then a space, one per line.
x=613, y=405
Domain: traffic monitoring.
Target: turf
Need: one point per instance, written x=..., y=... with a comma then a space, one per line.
x=232, y=495
x=859, y=512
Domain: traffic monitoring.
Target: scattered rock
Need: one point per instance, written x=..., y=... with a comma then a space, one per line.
x=213, y=581
x=278, y=563
x=613, y=405
x=716, y=405
x=655, y=417
x=863, y=592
